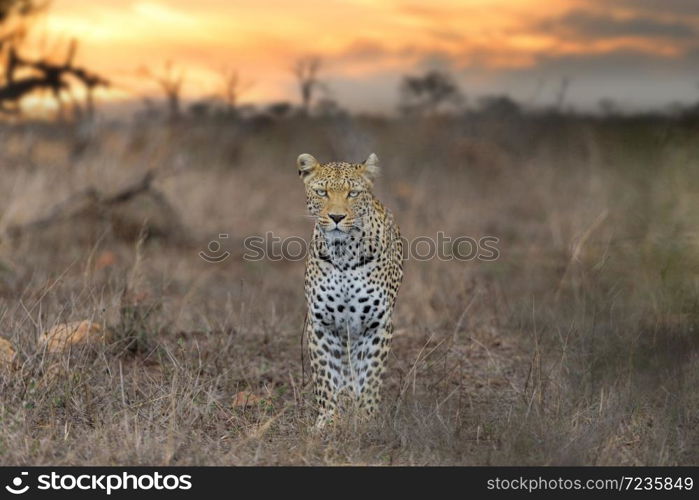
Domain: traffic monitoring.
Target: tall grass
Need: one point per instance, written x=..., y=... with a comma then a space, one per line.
x=577, y=346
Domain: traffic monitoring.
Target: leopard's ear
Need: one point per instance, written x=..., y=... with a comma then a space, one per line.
x=306, y=164
x=371, y=167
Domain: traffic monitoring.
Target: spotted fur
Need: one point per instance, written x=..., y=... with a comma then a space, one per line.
x=353, y=272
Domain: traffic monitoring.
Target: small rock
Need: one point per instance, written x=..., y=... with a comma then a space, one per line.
x=62, y=337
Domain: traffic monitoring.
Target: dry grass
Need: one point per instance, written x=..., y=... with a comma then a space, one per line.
x=579, y=345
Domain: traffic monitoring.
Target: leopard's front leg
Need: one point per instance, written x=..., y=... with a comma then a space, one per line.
x=326, y=352
x=370, y=357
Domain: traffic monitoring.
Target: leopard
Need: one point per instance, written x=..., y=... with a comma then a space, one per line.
x=354, y=269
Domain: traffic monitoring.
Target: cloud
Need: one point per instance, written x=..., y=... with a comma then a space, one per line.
x=620, y=63
x=588, y=24
x=372, y=50
x=672, y=7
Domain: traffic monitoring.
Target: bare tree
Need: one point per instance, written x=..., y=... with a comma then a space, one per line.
x=170, y=81
x=49, y=76
x=233, y=87
x=562, y=92
x=426, y=93
x=43, y=74
x=306, y=71
x=54, y=74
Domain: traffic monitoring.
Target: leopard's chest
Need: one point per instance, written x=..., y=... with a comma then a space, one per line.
x=348, y=301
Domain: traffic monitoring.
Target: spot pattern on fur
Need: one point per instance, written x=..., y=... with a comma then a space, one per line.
x=353, y=272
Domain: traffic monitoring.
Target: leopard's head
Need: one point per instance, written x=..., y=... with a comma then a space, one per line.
x=338, y=194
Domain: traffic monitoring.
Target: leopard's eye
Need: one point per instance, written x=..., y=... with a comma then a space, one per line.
x=321, y=192
x=353, y=194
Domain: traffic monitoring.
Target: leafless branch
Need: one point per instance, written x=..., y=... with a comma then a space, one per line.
x=306, y=71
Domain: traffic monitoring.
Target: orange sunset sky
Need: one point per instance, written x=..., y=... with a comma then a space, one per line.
x=642, y=53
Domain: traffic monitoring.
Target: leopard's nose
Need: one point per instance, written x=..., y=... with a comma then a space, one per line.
x=336, y=217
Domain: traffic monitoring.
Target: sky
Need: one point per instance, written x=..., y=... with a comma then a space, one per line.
x=640, y=53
